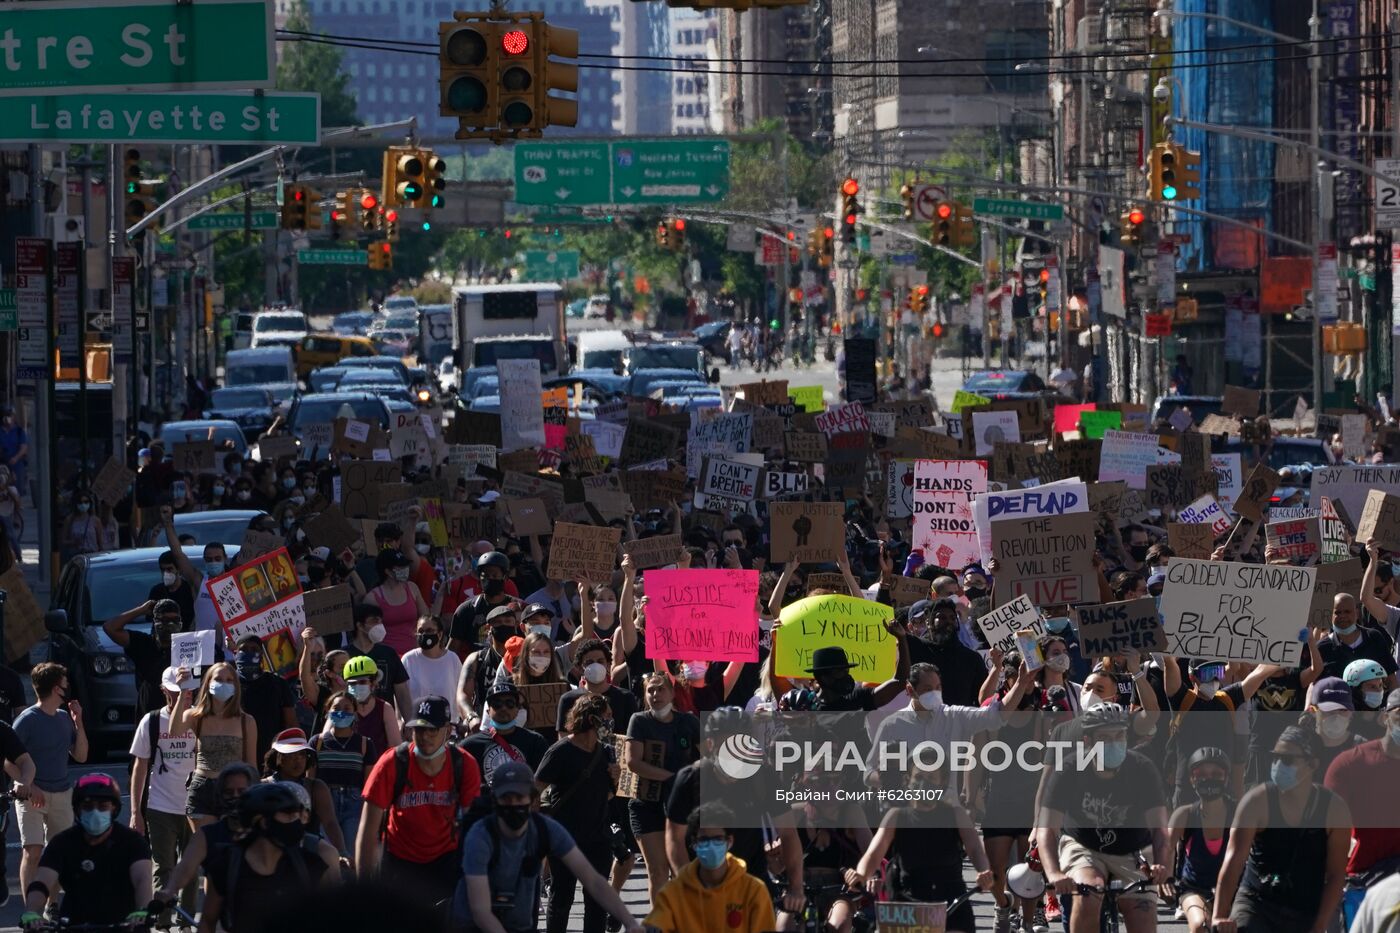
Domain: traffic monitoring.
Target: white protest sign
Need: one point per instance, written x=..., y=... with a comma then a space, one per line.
x=1206, y=511
x=777, y=484
x=1354, y=445
x=607, y=436
x=1125, y=457
x=192, y=649
x=1224, y=611
x=1351, y=483
x=1000, y=625
x=843, y=419
x=735, y=477
x=943, y=524
x=899, y=489
x=522, y=410
x=725, y=433
x=1059, y=498
x=1231, y=472
x=882, y=423
x=990, y=428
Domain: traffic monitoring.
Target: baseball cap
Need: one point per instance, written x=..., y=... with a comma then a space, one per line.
x=321, y=553
x=290, y=741
x=499, y=689
x=536, y=609
x=500, y=611
x=170, y=680
x=1332, y=693
x=920, y=608
x=431, y=712
x=512, y=777
x=1392, y=700
x=488, y=496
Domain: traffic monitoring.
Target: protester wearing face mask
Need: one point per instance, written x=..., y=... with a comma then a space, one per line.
x=481, y=667
x=422, y=788
x=206, y=617
x=679, y=735
x=293, y=760
x=224, y=734
x=432, y=669
x=163, y=762
x=367, y=638
x=594, y=658
x=374, y=719
x=962, y=668
x=1366, y=679
x=466, y=585
x=398, y=599
x=229, y=785
x=1380, y=593
x=1331, y=714
x=603, y=602
x=266, y=697
x=1285, y=866
x=1197, y=836
x=1349, y=641
x=102, y=867
x=714, y=891
x=343, y=760
x=173, y=586
x=421, y=571
x=83, y=531
x=467, y=620
x=1365, y=777
x=149, y=654
x=503, y=736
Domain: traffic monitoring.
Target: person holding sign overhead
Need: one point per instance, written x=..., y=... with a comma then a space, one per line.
x=677, y=736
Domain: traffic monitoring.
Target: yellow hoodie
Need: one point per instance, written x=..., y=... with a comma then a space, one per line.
x=739, y=904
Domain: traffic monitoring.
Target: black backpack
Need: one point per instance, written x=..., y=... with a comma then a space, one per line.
x=296, y=857
x=401, y=753
x=483, y=809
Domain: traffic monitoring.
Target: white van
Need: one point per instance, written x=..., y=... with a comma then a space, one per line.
x=272, y=368
x=601, y=349
x=279, y=328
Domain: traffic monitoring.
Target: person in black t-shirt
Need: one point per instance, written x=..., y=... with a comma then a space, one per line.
x=594, y=658
x=102, y=866
x=1202, y=718
x=266, y=697
x=173, y=586
x=1093, y=824
x=505, y=738
x=367, y=638
x=1349, y=641
x=149, y=654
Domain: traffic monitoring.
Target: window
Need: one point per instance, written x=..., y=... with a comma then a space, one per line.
x=371, y=71
x=372, y=94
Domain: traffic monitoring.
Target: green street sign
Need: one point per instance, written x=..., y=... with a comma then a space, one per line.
x=262, y=220
x=227, y=117
x=1031, y=210
x=547, y=265
x=626, y=171
x=9, y=310
x=115, y=45
x=332, y=257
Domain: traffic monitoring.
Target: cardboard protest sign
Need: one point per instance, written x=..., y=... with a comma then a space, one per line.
x=843, y=419
x=1000, y=625
x=943, y=523
x=990, y=428
x=1350, y=484
x=330, y=528
x=1206, y=511
x=275, y=447
x=192, y=650
x=529, y=516
x=1125, y=456
x=807, y=532
x=728, y=481
x=262, y=599
x=1076, y=458
x=1058, y=498
x=316, y=440
x=721, y=434
x=611, y=504
x=847, y=463
x=631, y=785
x=195, y=456
x=1342, y=576
x=24, y=620
x=1336, y=539
x=805, y=446
x=702, y=615
x=1196, y=541
x=583, y=551
x=607, y=436
x=914, y=413
x=882, y=423
x=522, y=414
x=1132, y=626
x=1049, y=558
x=656, y=551
x=856, y=625
x=1010, y=462
x=654, y=489
x=360, y=481
x=330, y=609
x=1107, y=498
x=1380, y=519
x=113, y=482
x=1254, y=497
x=769, y=393
x=923, y=444
x=1226, y=611
x=833, y=582
x=258, y=543
x=1213, y=424
x=905, y=591
x=357, y=439
x=466, y=525
x=541, y=703
x=1298, y=539
x=1240, y=401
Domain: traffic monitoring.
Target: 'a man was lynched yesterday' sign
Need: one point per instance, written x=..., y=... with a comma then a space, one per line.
x=856, y=625
x=1223, y=611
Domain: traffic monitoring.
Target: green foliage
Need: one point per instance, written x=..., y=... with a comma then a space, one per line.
x=315, y=66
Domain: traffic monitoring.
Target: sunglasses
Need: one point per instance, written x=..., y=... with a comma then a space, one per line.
x=503, y=704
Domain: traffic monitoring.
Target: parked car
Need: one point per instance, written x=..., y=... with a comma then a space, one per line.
x=1005, y=383
x=92, y=589
x=251, y=407
x=352, y=323
x=1197, y=405
x=222, y=525
x=211, y=429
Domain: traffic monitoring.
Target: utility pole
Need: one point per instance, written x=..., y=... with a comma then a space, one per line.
x=1394, y=234
x=1319, y=234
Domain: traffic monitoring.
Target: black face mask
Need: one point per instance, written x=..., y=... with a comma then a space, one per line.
x=502, y=634
x=493, y=587
x=1209, y=789
x=427, y=640
x=513, y=815
x=838, y=684
x=974, y=592
x=1139, y=552
x=285, y=834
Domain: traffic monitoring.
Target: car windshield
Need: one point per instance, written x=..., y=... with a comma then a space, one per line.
x=382, y=363
x=323, y=380
x=644, y=384
x=994, y=382
x=207, y=527
x=485, y=385
x=270, y=322
x=238, y=398
x=243, y=375
x=488, y=352
x=398, y=303
x=667, y=358
x=369, y=378
x=1282, y=454
x=183, y=432
x=601, y=359
x=401, y=321
x=326, y=410
x=113, y=588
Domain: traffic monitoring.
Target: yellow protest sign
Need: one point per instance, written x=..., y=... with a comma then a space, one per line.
x=807, y=398
x=963, y=400
x=857, y=625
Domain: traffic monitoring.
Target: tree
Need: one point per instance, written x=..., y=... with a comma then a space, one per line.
x=316, y=67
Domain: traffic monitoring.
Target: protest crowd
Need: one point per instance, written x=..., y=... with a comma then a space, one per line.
x=468, y=672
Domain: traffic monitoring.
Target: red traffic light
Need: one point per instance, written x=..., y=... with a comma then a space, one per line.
x=515, y=42
x=850, y=220
x=937, y=329
x=1045, y=275
x=392, y=216
x=368, y=201
x=850, y=187
x=507, y=234
x=829, y=233
x=944, y=210
x=385, y=247
x=298, y=195
x=1136, y=216
x=679, y=224
x=922, y=290
x=792, y=235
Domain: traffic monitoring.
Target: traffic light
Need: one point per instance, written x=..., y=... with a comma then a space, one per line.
x=964, y=228
x=663, y=235
x=366, y=204
x=1173, y=173
x=467, y=72
x=918, y=299
x=559, y=43
x=678, y=234
x=391, y=225
x=403, y=181
x=814, y=243
x=296, y=208
x=381, y=255
x=828, y=246
x=1130, y=225
x=906, y=194
x=516, y=80
x=1188, y=173
x=340, y=214
x=433, y=182
x=850, y=209
x=136, y=205
x=945, y=217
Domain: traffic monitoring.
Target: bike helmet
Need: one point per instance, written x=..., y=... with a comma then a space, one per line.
x=1025, y=882
x=1209, y=755
x=493, y=559
x=97, y=786
x=360, y=666
x=266, y=800
x=1362, y=670
x=726, y=721
x=1104, y=716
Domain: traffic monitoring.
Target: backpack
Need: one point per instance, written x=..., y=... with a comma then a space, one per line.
x=482, y=809
x=153, y=729
x=401, y=753
x=309, y=848
x=1190, y=701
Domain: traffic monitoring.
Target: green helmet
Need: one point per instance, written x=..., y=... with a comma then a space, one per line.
x=360, y=666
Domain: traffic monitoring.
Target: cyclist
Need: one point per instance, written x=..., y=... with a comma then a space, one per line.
x=927, y=841
x=103, y=867
x=834, y=835
x=714, y=891
x=1092, y=826
x=1285, y=866
x=1198, y=835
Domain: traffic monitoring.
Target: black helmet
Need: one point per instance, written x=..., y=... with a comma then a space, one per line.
x=1209, y=755
x=1103, y=716
x=493, y=559
x=726, y=721
x=265, y=800
x=97, y=786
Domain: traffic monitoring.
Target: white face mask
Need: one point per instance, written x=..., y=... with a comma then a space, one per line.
x=595, y=673
x=1059, y=663
x=168, y=578
x=663, y=710
x=1333, y=727
x=539, y=663
x=1208, y=688
x=423, y=548
x=695, y=670
x=931, y=699
x=539, y=630
x=376, y=633
x=606, y=610
x=1088, y=698
x=214, y=567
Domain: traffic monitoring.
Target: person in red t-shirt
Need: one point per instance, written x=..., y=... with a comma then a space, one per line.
x=420, y=837
x=463, y=589
x=1366, y=777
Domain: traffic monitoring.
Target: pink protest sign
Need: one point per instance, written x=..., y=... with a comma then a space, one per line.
x=1067, y=417
x=702, y=615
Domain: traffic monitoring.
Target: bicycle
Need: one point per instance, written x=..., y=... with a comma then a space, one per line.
x=64, y=925
x=1109, y=917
